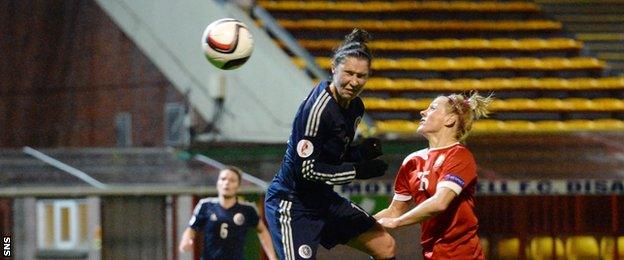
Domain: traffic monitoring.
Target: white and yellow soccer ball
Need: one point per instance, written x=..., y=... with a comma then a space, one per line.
x=227, y=43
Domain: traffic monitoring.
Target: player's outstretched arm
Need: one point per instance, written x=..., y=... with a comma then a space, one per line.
x=429, y=208
x=265, y=241
x=187, y=241
x=396, y=209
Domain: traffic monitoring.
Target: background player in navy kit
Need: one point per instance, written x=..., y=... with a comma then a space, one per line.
x=302, y=208
x=224, y=222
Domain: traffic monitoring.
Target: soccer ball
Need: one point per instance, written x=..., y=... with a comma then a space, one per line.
x=227, y=43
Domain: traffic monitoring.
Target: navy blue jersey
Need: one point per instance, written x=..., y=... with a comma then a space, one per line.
x=318, y=153
x=224, y=229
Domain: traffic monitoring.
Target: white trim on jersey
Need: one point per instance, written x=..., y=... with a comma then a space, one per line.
x=422, y=153
x=444, y=147
x=198, y=208
x=287, y=240
x=451, y=185
x=402, y=197
x=314, y=117
x=332, y=179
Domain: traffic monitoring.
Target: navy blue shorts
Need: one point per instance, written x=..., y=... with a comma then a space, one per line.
x=298, y=225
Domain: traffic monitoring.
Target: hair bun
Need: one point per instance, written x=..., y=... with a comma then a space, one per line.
x=357, y=35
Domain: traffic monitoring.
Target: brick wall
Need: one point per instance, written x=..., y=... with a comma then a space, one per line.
x=67, y=70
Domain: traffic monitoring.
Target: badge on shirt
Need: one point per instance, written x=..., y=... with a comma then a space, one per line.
x=305, y=148
x=239, y=219
x=213, y=217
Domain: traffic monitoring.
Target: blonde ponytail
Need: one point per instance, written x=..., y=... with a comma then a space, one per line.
x=468, y=109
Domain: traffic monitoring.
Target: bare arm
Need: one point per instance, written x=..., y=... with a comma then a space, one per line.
x=396, y=209
x=425, y=210
x=265, y=240
x=187, y=241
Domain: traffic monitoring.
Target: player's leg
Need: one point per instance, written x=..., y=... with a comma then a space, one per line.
x=349, y=224
x=376, y=242
x=295, y=232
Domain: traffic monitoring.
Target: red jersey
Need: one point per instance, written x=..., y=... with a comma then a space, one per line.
x=453, y=233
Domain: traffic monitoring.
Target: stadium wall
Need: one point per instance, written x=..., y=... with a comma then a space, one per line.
x=68, y=72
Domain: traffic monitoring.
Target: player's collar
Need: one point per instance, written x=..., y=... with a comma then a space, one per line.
x=444, y=147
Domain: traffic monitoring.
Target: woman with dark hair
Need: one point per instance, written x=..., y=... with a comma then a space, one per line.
x=302, y=208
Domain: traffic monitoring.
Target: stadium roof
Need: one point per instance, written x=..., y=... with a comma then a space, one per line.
x=105, y=171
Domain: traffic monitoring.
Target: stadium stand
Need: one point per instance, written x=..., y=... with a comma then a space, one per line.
x=598, y=23
x=582, y=247
x=508, y=248
x=542, y=75
x=608, y=247
x=557, y=99
x=541, y=248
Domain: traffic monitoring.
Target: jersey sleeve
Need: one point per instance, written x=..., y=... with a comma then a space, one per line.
x=253, y=216
x=458, y=171
x=198, y=219
x=401, y=182
x=311, y=147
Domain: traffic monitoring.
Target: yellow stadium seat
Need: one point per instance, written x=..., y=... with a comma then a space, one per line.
x=422, y=25
x=524, y=82
x=550, y=126
x=609, y=125
x=436, y=84
x=498, y=63
x=528, y=63
x=541, y=248
x=580, y=125
x=612, y=82
x=467, y=84
x=508, y=248
x=534, y=43
x=582, y=248
x=514, y=126
x=475, y=43
x=554, y=83
x=497, y=83
x=380, y=6
x=607, y=248
x=485, y=246
x=442, y=64
x=504, y=44
x=447, y=44
x=609, y=104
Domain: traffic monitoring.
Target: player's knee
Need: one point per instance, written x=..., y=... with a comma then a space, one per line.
x=386, y=249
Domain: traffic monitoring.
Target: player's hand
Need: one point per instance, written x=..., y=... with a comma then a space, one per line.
x=370, y=169
x=370, y=148
x=389, y=222
x=186, y=245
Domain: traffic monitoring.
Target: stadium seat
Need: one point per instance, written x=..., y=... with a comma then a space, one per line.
x=405, y=127
x=485, y=246
x=475, y=63
x=512, y=104
x=582, y=248
x=380, y=6
x=519, y=83
x=475, y=44
x=541, y=248
x=607, y=248
x=508, y=248
x=421, y=25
